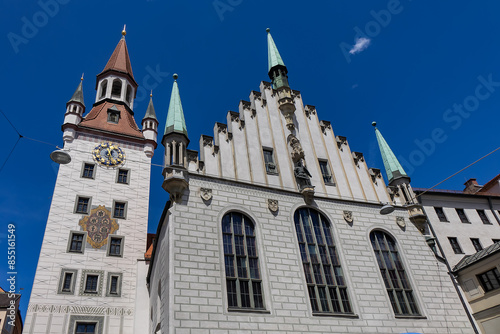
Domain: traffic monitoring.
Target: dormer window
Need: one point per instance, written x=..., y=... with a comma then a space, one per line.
x=104, y=88
x=128, y=96
x=113, y=115
x=116, y=90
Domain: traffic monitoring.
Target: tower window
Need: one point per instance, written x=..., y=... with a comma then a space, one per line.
x=128, y=96
x=67, y=281
x=490, y=280
x=114, y=285
x=440, y=214
x=483, y=217
x=243, y=276
x=122, y=176
x=116, y=89
x=85, y=328
x=326, y=284
x=119, y=210
x=271, y=167
x=113, y=115
x=462, y=216
x=88, y=171
x=477, y=244
x=115, y=247
x=325, y=171
x=91, y=283
x=393, y=273
x=76, y=243
x=455, y=245
x=104, y=87
x=82, y=205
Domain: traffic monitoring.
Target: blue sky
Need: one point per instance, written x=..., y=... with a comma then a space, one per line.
x=428, y=72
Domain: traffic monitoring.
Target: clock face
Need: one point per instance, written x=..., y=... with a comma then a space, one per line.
x=108, y=154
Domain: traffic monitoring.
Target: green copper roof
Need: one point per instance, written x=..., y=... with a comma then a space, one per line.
x=273, y=55
x=175, y=116
x=392, y=166
x=150, y=112
x=78, y=94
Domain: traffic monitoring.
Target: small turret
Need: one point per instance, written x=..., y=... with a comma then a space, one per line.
x=278, y=75
x=75, y=108
x=175, y=139
x=150, y=128
x=399, y=184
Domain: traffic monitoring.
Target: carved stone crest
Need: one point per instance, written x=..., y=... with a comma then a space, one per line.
x=272, y=204
x=401, y=221
x=348, y=216
x=206, y=194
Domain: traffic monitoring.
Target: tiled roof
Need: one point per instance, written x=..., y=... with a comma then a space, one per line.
x=97, y=118
x=471, y=259
x=119, y=60
x=490, y=184
x=149, y=253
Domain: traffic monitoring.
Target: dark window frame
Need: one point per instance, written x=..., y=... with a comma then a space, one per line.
x=120, y=209
x=123, y=179
x=112, y=248
x=394, y=275
x=93, y=280
x=489, y=280
x=85, y=327
x=270, y=161
x=76, y=242
x=82, y=204
x=477, y=244
x=326, y=282
x=463, y=217
x=243, y=274
x=326, y=171
x=441, y=215
x=484, y=217
x=88, y=170
x=455, y=245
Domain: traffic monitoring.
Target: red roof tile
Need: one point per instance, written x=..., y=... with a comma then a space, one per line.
x=97, y=118
x=119, y=60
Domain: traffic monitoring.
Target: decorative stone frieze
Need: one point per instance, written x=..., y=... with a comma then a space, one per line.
x=357, y=157
x=325, y=126
x=309, y=110
x=341, y=140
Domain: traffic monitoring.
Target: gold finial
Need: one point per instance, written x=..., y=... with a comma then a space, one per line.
x=124, y=32
x=82, y=76
x=151, y=95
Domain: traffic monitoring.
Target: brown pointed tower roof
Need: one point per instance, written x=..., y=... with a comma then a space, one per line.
x=120, y=61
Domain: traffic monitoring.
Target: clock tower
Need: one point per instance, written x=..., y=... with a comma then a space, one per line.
x=90, y=274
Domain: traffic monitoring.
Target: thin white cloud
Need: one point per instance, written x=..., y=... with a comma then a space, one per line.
x=361, y=44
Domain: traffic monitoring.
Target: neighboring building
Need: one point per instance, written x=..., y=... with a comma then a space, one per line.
x=464, y=222
x=466, y=225
x=9, y=313
x=276, y=226
x=89, y=278
x=479, y=277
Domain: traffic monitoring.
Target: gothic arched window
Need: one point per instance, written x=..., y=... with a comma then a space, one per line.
x=116, y=89
x=104, y=87
x=325, y=280
x=393, y=273
x=243, y=276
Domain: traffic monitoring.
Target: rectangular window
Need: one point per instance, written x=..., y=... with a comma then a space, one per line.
x=490, y=280
x=67, y=281
x=82, y=204
x=91, y=283
x=476, y=244
x=122, y=176
x=76, y=242
x=85, y=328
x=455, y=245
x=119, y=210
x=440, y=214
x=325, y=171
x=114, y=285
x=271, y=167
x=88, y=171
x=115, y=246
x=483, y=217
x=463, y=217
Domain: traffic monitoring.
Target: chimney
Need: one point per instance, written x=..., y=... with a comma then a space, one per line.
x=471, y=186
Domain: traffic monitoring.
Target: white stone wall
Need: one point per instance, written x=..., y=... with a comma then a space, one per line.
x=48, y=311
x=455, y=228
x=190, y=257
x=236, y=150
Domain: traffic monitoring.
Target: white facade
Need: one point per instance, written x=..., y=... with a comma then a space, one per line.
x=187, y=278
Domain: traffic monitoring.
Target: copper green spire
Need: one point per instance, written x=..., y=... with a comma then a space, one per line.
x=392, y=166
x=273, y=55
x=78, y=94
x=175, y=116
x=150, y=112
